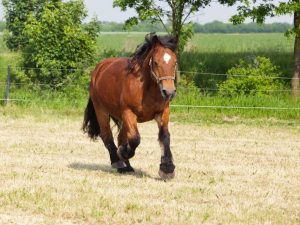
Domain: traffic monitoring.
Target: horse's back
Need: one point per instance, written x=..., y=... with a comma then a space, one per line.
x=109, y=67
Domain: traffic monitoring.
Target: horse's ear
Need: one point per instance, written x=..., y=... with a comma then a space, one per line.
x=151, y=38
x=155, y=39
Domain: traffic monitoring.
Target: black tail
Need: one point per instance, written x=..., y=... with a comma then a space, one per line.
x=90, y=123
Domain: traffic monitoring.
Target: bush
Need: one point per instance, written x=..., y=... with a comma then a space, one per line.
x=258, y=78
x=60, y=48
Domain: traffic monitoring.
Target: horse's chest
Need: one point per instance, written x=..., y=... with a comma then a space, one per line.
x=148, y=112
x=146, y=104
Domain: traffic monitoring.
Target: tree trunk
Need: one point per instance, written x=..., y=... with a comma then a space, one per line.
x=177, y=15
x=296, y=69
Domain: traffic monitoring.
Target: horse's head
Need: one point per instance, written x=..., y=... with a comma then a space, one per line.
x=163, y=64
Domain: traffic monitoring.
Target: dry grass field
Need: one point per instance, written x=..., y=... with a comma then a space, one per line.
x=51, y=173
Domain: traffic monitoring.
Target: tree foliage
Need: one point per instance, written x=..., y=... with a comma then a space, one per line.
x=59, y=47
x=16, y=16
x=258, y=11
x=175, y=11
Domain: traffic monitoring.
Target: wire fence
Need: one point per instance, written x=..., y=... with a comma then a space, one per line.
x=180, y=71
x=234, y=107
x=235, y=75
x=32, y=86
x=89, y=69
x=223, y=107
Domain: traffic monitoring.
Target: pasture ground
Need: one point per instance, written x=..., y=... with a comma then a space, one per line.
x=51, y=173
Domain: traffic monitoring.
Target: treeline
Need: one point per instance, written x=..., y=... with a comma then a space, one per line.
x=213, y=27
x=219, y=27
x=141, y=27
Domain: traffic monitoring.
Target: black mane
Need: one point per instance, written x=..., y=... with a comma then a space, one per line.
x=141, y=52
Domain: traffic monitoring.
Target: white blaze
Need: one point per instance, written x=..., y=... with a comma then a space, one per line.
x=167, y=58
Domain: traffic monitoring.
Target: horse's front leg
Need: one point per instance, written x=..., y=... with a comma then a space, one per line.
x=127, y=150
x=167, y=167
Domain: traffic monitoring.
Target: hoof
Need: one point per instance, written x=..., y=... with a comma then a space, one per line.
x=122, y=167
x=127, y=169
x=118, y=165
x=166, y=176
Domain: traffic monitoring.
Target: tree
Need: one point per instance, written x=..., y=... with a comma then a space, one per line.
x=59, y=46
x=175, y=11
x=16, y=15
x=259, y=11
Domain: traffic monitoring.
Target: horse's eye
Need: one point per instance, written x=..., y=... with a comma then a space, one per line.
x=155, y=63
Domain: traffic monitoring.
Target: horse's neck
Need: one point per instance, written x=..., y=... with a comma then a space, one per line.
x=146, y=73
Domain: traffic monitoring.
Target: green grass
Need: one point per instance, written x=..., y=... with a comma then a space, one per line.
x=250, y=110
x=119, y=42
x=235, y=43
x=209, y=42
x=214, y=53
x=37, y=102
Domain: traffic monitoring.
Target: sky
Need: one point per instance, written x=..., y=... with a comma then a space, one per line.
x=105, y=12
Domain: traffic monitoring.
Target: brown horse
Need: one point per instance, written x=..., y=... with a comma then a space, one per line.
x=130, y=91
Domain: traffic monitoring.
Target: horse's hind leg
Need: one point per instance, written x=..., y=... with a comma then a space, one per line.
x=108, y=140
x=122, y=140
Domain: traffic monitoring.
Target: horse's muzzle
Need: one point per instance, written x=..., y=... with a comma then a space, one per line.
x=168, y=94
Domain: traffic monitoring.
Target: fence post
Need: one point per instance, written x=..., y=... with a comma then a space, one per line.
x=7, y=89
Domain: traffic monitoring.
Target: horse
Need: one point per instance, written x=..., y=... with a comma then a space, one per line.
x=131, y=90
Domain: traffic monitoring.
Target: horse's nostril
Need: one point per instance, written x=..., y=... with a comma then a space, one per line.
x=165, y=92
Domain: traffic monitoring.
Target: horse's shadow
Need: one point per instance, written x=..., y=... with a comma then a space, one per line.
x=107, y=169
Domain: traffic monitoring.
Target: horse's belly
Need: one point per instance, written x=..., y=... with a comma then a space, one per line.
x=145, y=118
